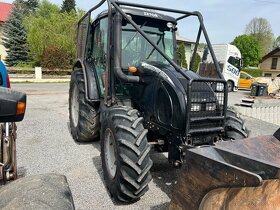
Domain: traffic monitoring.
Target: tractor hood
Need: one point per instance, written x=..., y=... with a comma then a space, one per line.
x=201, y=92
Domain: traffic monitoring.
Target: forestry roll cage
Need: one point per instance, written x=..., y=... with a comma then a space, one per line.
x=119, y=14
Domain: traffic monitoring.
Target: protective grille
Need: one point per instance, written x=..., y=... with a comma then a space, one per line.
x=206, y=106
x=207, y=98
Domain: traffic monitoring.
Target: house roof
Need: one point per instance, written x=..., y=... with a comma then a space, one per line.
x=5, y=10
x=182, y=39
x=277, y=49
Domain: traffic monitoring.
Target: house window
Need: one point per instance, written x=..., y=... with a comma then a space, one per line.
x=274, y=63
x=267, y=75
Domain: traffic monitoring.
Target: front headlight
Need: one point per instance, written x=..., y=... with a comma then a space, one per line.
x=196, y=107
x=210, y=106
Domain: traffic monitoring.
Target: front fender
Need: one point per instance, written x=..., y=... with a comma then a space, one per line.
x=91, y=87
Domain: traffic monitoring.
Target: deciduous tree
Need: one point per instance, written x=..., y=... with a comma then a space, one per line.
x=261, y=29
x=50, y=31
x=276, y=42
x=249, y=49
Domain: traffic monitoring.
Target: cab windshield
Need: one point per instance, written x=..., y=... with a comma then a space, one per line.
x=135, y=48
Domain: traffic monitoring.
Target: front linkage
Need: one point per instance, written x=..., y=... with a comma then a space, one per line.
x=8, y=168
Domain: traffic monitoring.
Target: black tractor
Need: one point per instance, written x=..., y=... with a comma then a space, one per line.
x=128, y=91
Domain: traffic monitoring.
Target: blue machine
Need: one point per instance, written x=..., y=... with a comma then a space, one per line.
x=4, y=77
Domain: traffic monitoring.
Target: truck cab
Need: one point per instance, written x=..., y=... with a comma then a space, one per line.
x=229, y=58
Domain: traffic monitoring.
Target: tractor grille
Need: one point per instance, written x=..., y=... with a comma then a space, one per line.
x=206, y=106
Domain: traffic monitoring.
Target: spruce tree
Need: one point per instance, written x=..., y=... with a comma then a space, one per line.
x=27, y=5
x=68, y=6
x=181, y=55
x=14, y=38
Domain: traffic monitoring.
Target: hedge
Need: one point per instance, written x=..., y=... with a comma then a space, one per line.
x=254, y=72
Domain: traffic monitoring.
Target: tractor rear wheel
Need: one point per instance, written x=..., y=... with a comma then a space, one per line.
x=125, y=154
x=84, y=118
x=235, y=128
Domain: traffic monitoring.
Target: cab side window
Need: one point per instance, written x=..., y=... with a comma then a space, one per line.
x=99, y=51
x=235, y=62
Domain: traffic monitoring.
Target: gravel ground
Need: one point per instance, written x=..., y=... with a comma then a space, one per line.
x=45, y=145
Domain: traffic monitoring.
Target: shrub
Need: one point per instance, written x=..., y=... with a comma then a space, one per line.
x=254, y=72
x=27, y=64
x=196, y=62
x=54, y=57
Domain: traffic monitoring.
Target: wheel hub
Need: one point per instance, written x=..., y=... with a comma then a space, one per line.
x=110, y=153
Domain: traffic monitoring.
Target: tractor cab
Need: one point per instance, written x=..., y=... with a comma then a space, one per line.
x=134, y=48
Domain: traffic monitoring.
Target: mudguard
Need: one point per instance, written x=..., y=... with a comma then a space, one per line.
x=91, y=87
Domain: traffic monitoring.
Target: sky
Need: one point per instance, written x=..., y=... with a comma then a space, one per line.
x=224, y=19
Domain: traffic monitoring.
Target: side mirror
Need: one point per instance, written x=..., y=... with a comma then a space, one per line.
x=12, y=105
x=241, y=64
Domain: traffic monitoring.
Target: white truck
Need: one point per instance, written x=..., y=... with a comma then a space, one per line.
x=230, y=61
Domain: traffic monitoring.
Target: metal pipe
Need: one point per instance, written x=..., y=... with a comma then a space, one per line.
x=172, y=63
x=117, y=51
x=186, y=14
x=182, y=17
x=108, y=60
x=7, y=132
x=7, y=163
x=153, y=7
x=117, y=63
x=209, y=45
x=93, y=8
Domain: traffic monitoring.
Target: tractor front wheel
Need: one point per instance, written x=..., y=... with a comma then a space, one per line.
x=125, y=154
x=235, y=128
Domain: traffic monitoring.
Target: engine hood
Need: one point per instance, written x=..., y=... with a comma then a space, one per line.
x=152, y=67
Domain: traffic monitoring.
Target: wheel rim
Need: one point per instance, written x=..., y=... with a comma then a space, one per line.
x=75, y=106
x=230, y=87
x=110, y=153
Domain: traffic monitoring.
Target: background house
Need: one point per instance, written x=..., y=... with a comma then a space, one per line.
x=189, y=45
x=5, y=10
x=270, y=63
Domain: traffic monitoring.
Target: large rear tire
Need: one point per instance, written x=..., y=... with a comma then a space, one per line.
x=235, y=128
x=125, y=154
x=84, y=118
